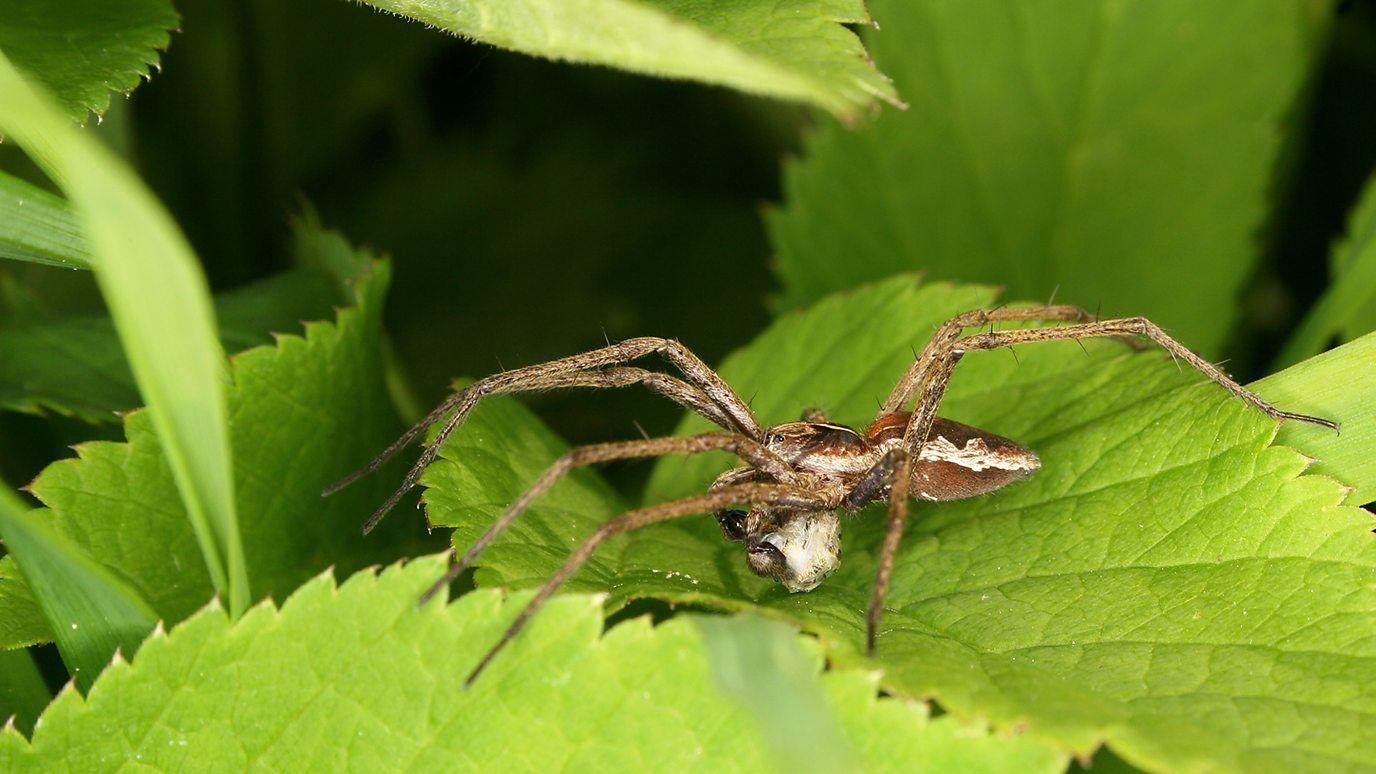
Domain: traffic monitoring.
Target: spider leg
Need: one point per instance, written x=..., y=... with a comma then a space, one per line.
x=893, y=534
x=1136, y=326
x=761, y=459
x=762, y=494
x=913, y=381
x=674, y=389
x=938, y=364
x=707, y=394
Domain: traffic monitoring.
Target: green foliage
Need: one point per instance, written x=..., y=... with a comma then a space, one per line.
x=1183, y=582
x=158, y=298
x=1346, y=309
x=1336, y=383
x=794, y=50
x=22, y=692
x=1169, y=581
x=81, y=51
x=73, y=364
x=303, y=412
x=1109, y=149
x=39, y=227
x=359, y=677
x=91, y=612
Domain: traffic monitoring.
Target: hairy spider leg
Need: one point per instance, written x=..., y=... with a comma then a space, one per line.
x=914, y=380
x=942, y=360
x=741, y=494
x=707, y=388
x=760, y=459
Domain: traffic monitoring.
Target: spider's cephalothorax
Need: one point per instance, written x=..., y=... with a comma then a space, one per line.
x=797, y=476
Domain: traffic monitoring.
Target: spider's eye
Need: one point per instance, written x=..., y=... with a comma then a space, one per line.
x=775, y=439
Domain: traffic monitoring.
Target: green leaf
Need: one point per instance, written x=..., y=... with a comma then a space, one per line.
x=38, y=227
x=796, y=50
x=303, y=412
x=23, y=694
x=158, y=298
x=73, y=365
x=358, y=677
x=1336, y=383
x=1346, y=309
x=1109, y=149
x=92, y=613
x=81, y=51
x=1170, y=581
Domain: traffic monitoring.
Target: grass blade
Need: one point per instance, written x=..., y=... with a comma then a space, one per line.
x=92, y=613
x=161, y=306
x=38, y=227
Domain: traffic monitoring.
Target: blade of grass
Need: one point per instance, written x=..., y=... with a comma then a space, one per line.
x=760, y=664
x=161, y=306
x=1336, y=384
x=92, y=613
x=38, y=227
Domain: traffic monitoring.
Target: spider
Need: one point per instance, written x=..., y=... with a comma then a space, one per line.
x=797, y=476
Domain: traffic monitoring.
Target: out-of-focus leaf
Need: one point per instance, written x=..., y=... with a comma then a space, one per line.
x=161, y=306
x=23, y=695
x=303, y=412
x=1119, y=151
x=358, y=677
x=39, y=227
x=84, y=49
x=1348, y=309
x=91, y=612
x=1170, y=581
x=796, y=50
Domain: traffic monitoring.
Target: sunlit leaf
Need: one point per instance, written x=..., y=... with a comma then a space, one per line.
x=358, y=677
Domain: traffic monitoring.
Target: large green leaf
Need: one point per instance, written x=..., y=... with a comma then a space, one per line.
x=159, y=300
x=795, y=50
x=1170, y=582
x=358, y=677
x=74, y=365
x=303, y=412
x=81, y=51
x=1120, y=151
x=1348, y=308
x=92, y=613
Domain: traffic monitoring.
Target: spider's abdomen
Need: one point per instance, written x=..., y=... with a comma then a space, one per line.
x=958, y=461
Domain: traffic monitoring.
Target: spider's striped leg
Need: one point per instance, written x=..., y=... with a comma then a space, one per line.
x=745, y=494
x=1136, y=326
x=708, y=395
x=943, y=362
x=674, y=389
x=893, y=533
x=760, y=459
x=914, y=381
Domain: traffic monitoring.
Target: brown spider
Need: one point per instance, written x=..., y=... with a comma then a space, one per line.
x=798, y=474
